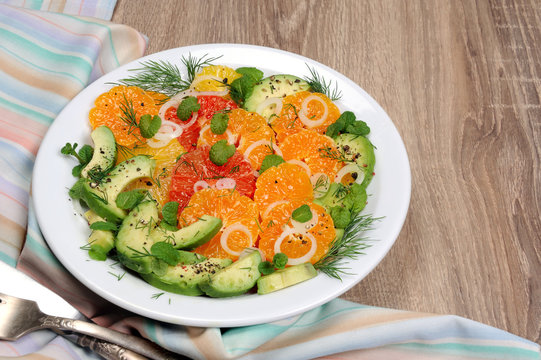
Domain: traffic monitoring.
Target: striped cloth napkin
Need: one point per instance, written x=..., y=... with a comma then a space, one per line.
x=50, y=50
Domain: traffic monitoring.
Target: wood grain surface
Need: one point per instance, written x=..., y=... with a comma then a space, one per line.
x=461, y=81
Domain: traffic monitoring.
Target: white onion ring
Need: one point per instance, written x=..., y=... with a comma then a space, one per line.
x=174, y=101
x=225, y=183
x=268, y=102
x=349, y=169
x=272, y=206
x=169, y=128
x=213, y=93
x=295, y=261
x=304, y=110
x=257, y=143
x=200, y=185
x=320, y=192
x=301, y=164
x=156, y=144
x=227, y=231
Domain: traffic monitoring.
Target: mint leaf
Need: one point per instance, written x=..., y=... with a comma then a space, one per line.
x=270, y=161
x=85, y=154
x=129, y=199
x=341, y=217
x=104, y=225
x=243, y=87
x=265, y=268
x=166, y=252
x=149, y=125
x=76, y=190
x=251, y=72
x=218, y=123
x=359, y=127
x=302, y=214
x=280, y=260
x=187, y=107
x=220, y=152
x=170, y=213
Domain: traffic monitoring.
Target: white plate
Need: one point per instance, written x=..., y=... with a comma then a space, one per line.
x=66, y=231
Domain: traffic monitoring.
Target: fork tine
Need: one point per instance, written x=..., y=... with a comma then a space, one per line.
x=17, y=317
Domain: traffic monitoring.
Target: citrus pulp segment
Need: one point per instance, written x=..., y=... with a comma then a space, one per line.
x=239, y=215
x=214, y=78
x=304, y=110
x=110, y=109
x=283, y=182
x=309, y=147
x=296, y=239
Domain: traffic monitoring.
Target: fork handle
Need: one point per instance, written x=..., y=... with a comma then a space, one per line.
x=134, y=343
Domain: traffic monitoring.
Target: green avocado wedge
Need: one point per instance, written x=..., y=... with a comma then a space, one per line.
x=236, y=279
x=191, y=236
x=185, y=279
x=283, y=278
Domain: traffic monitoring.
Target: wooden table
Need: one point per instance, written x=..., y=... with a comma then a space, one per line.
x=461, y=81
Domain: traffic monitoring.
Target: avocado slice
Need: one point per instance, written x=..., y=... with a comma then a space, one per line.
x=191, y=236
x=283, y=278
x=104, y=156
x=236, y=279
x=100, y=197
x=100, y=241
x=275, y=86
x=361, y=150
x=133, y=240
x=185, y=278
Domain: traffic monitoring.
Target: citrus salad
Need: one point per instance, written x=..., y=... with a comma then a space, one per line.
x=223, y=181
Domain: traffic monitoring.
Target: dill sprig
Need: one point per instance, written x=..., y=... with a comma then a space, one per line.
x=164, y=77
x=349, y=246
x=320, y=85
x=337, y=154
x=159, y=76
x=193, y=65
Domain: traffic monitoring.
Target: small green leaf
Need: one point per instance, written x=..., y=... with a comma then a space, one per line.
x=218, y=123
x=341, y=217
x=186, y=107
x=85, y=154
x=359, y=127
x=270, y=161
x=251, y=72
x=129, y=199
x=77, y=169
x=220, y=152
x=76, y=190
x=167, y=226
x=280, y=260
x=104, y=225
x=68, y=149
x=302, y=214
x=170, y=213
x=265, y=267
x=166, y=252
x=149, y=125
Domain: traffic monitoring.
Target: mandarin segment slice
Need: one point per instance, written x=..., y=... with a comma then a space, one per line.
x=214, y=78
x=308, y=146
x=238, y=213
x=108, y=111
x=294, y=106
x=283, y=182
x=296, y=238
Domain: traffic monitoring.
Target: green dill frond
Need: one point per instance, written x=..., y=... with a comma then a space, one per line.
x=350, y=246
x=320, y=85
x=194, y=64
x=337, y=154
x=159, y=76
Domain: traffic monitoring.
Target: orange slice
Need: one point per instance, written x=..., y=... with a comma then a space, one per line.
x=309, y=147
x=301, y=242
x=285, y=182
x=108, y=107
x=214, y=78
x=239, y=215
x=318, y=111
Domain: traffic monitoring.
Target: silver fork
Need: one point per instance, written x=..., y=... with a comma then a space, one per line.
x=19, y=316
